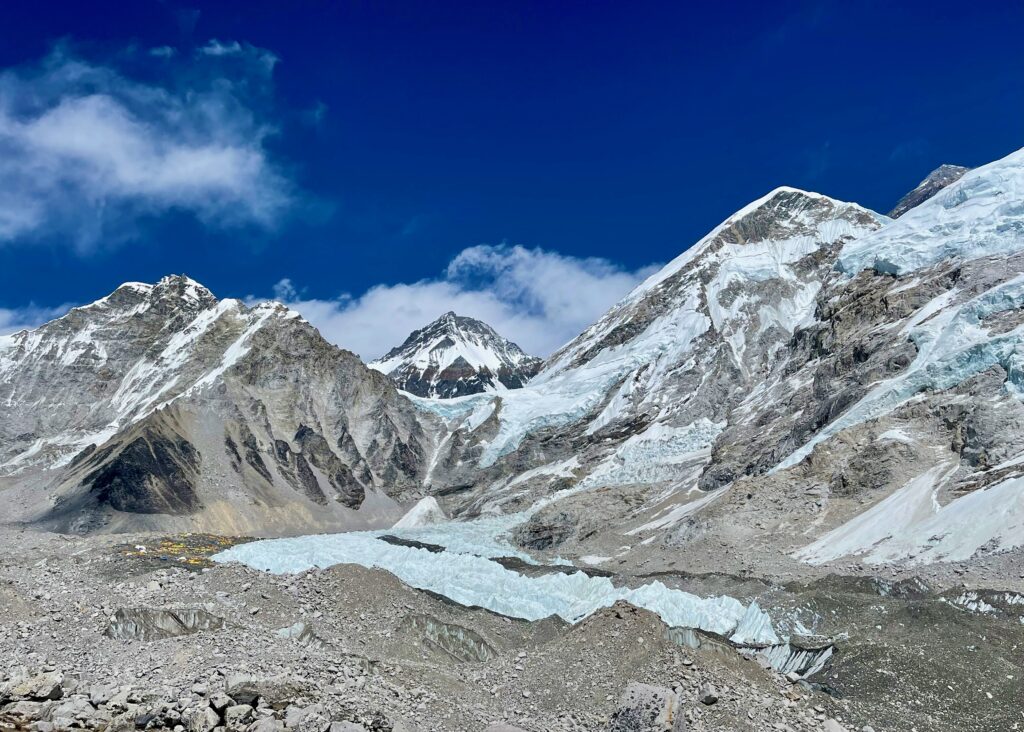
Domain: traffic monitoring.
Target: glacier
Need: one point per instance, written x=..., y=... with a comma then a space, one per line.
x=980, y=215
x=466, y=573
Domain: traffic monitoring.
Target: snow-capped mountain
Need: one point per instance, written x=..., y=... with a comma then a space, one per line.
x=811, y=378
x=805, y=362
x=162, y=405
x=938, y=179
x=454, y=356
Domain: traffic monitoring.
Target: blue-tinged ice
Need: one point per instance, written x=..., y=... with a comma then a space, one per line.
x=464, y=576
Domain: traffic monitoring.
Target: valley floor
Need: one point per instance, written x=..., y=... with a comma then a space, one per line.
x=105, y=624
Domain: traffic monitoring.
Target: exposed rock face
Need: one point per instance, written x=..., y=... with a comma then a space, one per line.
x=938, y=179
x=161, y=406
x=640, y=396
x=455, y=356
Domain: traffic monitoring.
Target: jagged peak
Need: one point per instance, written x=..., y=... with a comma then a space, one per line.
x=769, y=207
x=943, y=176
x=425, y=363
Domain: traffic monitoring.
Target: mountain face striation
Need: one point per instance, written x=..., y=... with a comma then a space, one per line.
x=455, y=356
x=162, y=406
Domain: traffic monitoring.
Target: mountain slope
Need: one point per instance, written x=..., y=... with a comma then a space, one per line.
x=643, y=392
x=804, y=362
x=454, y=356
x=938, y=179
x=161, y=406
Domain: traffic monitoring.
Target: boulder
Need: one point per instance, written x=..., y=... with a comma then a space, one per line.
x=708, y=695
x=267, y=724
x=238, y=715
x=200, y=720
x=646, y=708
x=275, y=691
x=28, y=710
x=46, y=686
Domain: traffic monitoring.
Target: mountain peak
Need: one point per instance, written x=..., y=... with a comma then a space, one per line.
x=934, y=182
x=456, y=355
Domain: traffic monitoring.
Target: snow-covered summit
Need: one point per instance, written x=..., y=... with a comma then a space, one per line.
x=979, y=215
x=938, y=179
x=455, y=356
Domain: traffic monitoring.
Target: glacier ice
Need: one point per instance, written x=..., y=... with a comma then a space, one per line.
x=980, y=215
x=656, y=454
x=465, y=574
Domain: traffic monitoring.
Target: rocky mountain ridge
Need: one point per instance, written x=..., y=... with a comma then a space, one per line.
x=804, y=347
x=935, y=181
x=455, y=356
x=160, y=405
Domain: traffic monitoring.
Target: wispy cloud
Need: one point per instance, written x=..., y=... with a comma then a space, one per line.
x=86, y=150
x=14, y=319
x=536, y=298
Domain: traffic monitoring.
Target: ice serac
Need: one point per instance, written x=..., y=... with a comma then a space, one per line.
x=455, y=356
x=160, y=406
x=938, y=179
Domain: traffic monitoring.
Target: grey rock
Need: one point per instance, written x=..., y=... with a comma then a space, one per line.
x=29, y=710
x=266, y=724
x=201, y=720
x=220, y=701
x=274, y=691
x=101, y=694
x=707, y=695
x=646, y=708
x=294, y=715
x=938, y=179
x=40, y=687
x=77, y=709
x=238, y=715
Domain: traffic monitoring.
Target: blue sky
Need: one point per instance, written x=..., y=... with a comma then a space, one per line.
x=376, y=164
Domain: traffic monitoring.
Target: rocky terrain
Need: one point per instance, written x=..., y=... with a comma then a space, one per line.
x=780, y=485
x=117, y=632
x=455, y=356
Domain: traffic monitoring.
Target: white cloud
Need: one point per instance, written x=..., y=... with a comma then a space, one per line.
x=85, y=150
x=536, y=298
x=31, y=316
